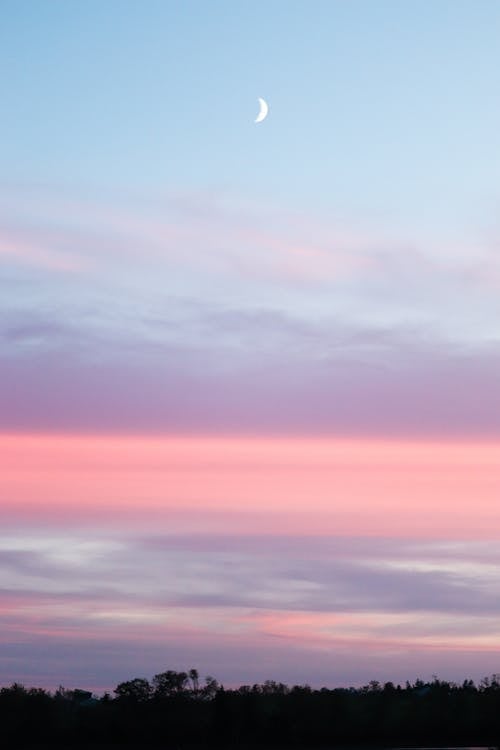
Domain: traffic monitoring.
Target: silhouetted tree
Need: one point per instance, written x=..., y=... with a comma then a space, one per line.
x=169, y=683
x=174, y=711
x=137, y=690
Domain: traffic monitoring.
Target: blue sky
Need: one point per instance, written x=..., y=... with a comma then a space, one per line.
x=146, y=220
x=384, y=111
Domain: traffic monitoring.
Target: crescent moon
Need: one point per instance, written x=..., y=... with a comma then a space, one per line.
x=264, y=109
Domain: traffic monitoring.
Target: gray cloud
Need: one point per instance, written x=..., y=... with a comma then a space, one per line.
x=117, y=606
x=306, y=574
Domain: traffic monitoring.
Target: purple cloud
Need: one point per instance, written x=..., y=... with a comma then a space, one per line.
x=199, y=313
x=324, y=611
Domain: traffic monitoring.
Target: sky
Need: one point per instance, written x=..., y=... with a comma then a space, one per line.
x=249, y=373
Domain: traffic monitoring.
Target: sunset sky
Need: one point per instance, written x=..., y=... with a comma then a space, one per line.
x=249, y=374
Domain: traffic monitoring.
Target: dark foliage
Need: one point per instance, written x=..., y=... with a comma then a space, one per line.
x=175, y=710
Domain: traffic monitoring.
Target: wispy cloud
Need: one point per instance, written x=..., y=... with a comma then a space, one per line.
x=222, y=601
x=33, y=249
x=265, y=374
x=202, y=313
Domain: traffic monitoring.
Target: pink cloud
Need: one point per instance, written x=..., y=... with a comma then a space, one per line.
x=54, y=653
x=222, y=236
x=39, y=250
x=319, y=486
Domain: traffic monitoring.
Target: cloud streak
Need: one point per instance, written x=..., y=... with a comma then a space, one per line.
x=260, y=373
x=244, y=606
x=369, y=485
x=202, y=314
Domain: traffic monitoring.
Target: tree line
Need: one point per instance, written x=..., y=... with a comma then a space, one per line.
x=179, y=710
